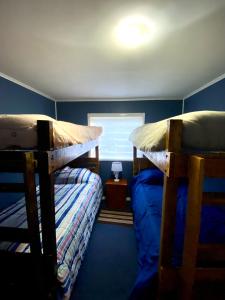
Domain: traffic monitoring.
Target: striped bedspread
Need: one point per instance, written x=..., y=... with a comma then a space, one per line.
x=76, y=206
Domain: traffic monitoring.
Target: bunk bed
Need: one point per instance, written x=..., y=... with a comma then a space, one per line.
x=183, y=247
x=43, y=235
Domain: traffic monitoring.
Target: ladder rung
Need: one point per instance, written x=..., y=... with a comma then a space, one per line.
x=14, y=234
x=210, y=274
x=170, y=276
x=213, y=198
x=215, y=167
x=12, y=187
x=211, y=252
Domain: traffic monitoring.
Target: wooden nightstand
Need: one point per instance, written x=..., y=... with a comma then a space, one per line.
x=116, y=192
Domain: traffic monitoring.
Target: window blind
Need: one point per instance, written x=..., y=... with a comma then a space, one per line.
x=114, y=143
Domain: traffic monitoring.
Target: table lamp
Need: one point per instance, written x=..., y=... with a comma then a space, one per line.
x=116, y=168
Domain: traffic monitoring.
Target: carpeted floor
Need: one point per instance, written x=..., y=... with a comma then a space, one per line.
x=109, y=267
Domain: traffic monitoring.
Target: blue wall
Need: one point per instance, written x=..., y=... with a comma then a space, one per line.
x=211, y=98
x=15, y=99
x=154, y=110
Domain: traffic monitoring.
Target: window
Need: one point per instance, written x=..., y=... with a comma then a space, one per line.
x=114, y=143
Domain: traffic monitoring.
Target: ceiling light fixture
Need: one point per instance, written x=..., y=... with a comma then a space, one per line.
x=134, y=31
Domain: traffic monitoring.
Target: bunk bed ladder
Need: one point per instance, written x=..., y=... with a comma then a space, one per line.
x=24, y=162
x=199, y=167
x=167, y=276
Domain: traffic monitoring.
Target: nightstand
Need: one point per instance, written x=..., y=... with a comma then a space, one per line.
x=116, y=192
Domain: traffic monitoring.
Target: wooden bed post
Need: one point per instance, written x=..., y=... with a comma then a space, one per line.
x=134, y=161
x=173, y=144
x=97, y=168
x=32, y=220
x=31, y=205
x=47, y=202
x=45, y=139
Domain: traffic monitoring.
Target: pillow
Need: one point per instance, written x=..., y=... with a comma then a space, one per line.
x=72, y=176
x=150, y=176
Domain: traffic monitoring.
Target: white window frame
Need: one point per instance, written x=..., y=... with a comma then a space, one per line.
x=141, y=115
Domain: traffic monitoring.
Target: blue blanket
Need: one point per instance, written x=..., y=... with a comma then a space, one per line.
x=146, y=191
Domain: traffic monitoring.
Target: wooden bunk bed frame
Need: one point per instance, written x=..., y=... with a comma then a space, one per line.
x=43, y=161
x=175, y=165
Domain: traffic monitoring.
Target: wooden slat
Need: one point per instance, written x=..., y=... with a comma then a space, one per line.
x=140, y=163
x=97, y=166
x=12, y=160
x=14, y=234
x=134, y=153
x=47, y=207
x=97, y=152
x=8, y=155
x=47, y=204
x=211, y=253
x=12, y=187
x=33, y=221
x=192, y=227
x=31, y=204
x=168, y=220
x=60, y=157
x=90, y=163
x=45, y=135
x=210, y=274
x=167, y=228
x=159, y=159
x=11, y=166
x=165, y=160
x=174, y=135
x=171, y=277
x=180, y=168
x=215, y=167
x=213, y=198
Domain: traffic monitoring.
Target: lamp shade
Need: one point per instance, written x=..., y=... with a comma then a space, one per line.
x=116, y=166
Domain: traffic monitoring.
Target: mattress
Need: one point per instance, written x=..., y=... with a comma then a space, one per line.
x=201, y=131
x=147, y=194
x=20, y=131
x=76, y=206
x=75, y=175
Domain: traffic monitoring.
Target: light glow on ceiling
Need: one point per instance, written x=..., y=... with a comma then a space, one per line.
x=135, y=31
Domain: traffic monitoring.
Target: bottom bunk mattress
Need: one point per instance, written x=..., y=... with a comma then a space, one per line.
x=76, y=206
x=147, y=194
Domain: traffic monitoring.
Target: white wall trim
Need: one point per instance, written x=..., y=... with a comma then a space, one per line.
x=56, y=111
x=25, y=86
x=183, y=106
x=117, y=99
x=205, y=86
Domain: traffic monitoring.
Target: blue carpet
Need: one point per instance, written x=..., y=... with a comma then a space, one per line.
x=110, y=264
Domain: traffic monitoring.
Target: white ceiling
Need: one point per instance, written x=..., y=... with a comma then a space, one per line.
x=67, y=50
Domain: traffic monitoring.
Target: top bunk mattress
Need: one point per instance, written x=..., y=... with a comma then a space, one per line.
x=202, y=131
x=20, y=131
